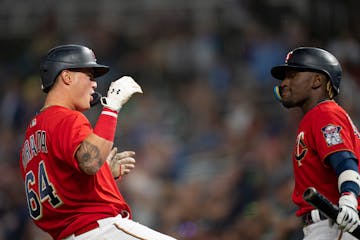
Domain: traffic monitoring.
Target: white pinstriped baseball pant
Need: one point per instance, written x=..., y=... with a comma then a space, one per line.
x=120, y=228
x=322, y=230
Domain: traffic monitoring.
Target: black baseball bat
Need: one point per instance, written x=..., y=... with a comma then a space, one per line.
x=319, y=201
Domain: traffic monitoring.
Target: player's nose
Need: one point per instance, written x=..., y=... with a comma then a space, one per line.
x=284, y=82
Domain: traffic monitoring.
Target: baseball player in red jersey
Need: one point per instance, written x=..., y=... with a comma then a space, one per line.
x=327, y=145
x=68, y=166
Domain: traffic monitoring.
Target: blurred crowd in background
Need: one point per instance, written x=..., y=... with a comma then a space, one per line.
x=213, y=147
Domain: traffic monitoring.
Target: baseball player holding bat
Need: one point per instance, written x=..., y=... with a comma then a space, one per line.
x=69, y=168
x=327, y=146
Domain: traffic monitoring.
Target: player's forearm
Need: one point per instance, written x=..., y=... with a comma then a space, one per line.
x=346, y=167
x=95, y=149
x=92, y=153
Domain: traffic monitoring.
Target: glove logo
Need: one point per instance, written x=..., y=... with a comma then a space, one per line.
x=117, y=91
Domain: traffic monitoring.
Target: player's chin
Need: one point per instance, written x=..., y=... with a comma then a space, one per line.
x=287, y=104
x=84, y=106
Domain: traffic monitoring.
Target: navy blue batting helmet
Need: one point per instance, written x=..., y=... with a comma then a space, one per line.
x=311, y=59
x=68, y=57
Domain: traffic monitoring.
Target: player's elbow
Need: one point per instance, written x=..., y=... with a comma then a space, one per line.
x=90, y=169
x=89, y=158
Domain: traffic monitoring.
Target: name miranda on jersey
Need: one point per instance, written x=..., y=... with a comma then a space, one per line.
x=35, y=144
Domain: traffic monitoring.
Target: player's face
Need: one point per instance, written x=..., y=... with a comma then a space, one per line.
x=83, y=86
x=296, y=88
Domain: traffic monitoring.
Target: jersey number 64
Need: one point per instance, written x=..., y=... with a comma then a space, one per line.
x=46, y=192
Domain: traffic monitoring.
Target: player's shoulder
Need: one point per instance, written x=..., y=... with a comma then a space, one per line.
x=61, y=110
x=329, y=107
x=328, y=112
x=59, y=114
x=325, y=111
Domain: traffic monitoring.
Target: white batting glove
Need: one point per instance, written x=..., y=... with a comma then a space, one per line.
x=120, y=92
x=348, y=218
x=121, y=163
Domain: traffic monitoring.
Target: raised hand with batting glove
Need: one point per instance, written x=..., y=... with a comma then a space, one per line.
x=120, y=92
x=348, y=218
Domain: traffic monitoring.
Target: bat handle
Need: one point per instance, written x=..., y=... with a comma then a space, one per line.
x=313, y=197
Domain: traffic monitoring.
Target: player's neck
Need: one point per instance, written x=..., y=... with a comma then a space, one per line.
x=307, y=107
x=53, y=99
x=323, y=101
x=46, y=106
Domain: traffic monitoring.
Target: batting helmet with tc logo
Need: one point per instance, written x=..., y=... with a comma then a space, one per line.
x=311, y=59
x=68, y=57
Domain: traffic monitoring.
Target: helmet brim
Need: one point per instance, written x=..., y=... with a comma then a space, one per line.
x=99, y=70
x=279, y=72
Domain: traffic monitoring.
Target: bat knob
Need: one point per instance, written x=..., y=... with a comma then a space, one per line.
x=96, y=99
x=309, y=193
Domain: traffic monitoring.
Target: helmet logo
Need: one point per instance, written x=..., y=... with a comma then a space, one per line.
x=288, y=56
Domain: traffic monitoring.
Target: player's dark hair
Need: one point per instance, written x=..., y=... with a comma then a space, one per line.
x=330, y=90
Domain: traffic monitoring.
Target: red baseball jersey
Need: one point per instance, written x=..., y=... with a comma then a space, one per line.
x=61, y=198
x=325, y=129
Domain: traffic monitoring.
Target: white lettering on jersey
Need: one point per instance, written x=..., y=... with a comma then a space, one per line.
x=35, y=144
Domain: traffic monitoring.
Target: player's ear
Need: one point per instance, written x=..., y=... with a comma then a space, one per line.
x=317, y=81
x=65, y=76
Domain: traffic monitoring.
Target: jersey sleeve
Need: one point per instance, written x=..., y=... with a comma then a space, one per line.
x=71, y=131
x=332, y=133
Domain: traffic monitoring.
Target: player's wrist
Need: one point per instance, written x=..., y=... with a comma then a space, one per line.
x=347, y=193
x=348, y=199
x=108, y=111
x=111, y=104
x=106, y=124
